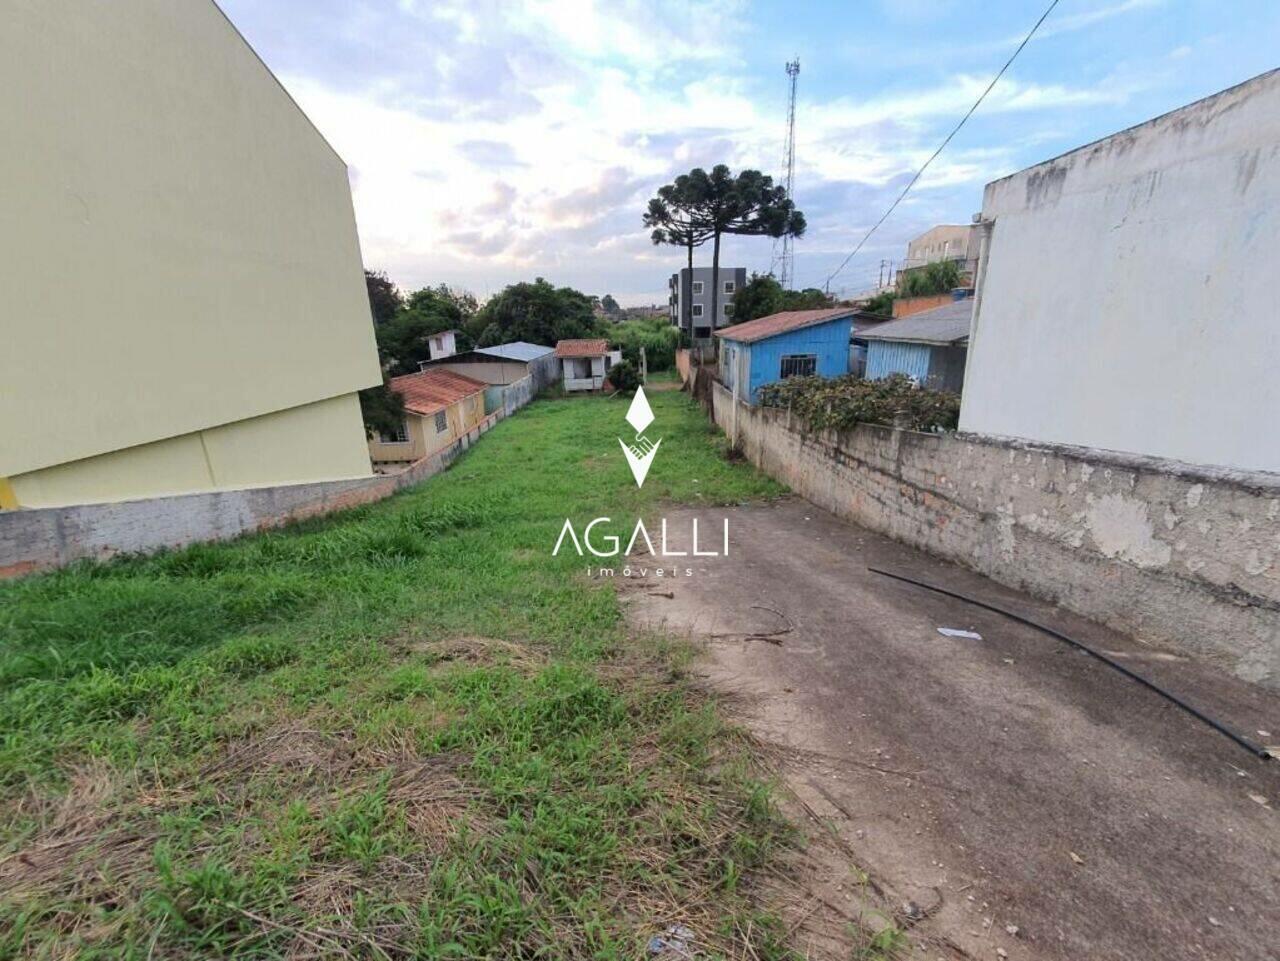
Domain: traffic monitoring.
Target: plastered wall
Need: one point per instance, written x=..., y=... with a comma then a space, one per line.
x=1175, y=555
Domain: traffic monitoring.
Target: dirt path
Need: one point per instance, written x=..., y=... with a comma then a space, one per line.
x=1021, y=796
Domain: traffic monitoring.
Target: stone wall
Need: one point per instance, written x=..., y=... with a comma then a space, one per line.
x=1184, y=557
x=51, y=537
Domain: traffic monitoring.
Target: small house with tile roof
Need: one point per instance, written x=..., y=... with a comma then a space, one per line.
x=585, y=363
x=793, y=343
x=440, y=406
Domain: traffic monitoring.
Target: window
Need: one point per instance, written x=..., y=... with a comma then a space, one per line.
x=442, y=422
x=728, y=287
x=697, y=286
x=725, y=308
x=697, y=310
x=799, y=365
x=702, y=333
x=399, y=436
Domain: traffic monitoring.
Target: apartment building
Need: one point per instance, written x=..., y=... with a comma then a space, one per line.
x=689, y=300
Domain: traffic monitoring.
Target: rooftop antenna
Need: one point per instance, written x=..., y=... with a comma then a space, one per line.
x=787, y=270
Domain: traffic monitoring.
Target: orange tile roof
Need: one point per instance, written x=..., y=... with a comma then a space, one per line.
x=582, y=348
x=432, y=390
x=763, y=327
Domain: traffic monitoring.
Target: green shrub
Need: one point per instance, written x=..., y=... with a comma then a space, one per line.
x=624, y=377
x=841, y=402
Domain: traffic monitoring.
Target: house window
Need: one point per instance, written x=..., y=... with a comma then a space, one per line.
x=728, y=287
x=399, y=436
x=799, y=365
x=442, y=422
x=697, y=286
x=697, y=310
x=702, y=333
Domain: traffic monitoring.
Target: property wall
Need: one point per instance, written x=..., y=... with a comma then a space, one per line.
x=179, y=250
x=321, y=441
x=906, y=306
x=1159, y=335
x=34, y=540
x=885, y=357
x=1175, y=555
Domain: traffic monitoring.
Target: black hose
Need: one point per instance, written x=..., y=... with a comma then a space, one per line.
x=1218, y=726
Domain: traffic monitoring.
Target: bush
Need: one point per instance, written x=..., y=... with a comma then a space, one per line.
x=624, y=377
x=936, y=278
x=656, y=335
x=841, y=402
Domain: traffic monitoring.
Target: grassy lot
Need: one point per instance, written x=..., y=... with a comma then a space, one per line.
x=403, y=731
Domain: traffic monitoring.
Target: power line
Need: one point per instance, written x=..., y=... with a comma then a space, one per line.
x=942, y=146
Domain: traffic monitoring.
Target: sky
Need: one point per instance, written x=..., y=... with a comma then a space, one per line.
x=493, y=142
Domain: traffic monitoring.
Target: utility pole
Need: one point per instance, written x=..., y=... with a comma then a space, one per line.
x=787, y=269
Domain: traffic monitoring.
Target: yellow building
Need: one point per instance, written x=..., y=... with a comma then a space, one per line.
x=182, y=303
x=439, y=407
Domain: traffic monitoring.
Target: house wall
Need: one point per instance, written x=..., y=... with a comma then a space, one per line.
x=489, y=372
x=1176, y=555
x=885, y=357
x=50, y=537
x=321, y=441
x=763, y=358
x=199, y=234
x=1159, y=336
x=424, y=439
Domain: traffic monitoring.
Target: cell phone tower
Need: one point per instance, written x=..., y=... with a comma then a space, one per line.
x=786, y=270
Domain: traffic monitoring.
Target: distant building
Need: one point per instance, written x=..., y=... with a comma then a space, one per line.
x=795, y=343
x=929, y=346
x=503, y=364
x=958, y=243
x=440, y=406
x=210, y=328
x=585, y=363
x=689, y=300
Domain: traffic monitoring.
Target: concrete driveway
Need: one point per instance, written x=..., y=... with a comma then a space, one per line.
x=1024, y=799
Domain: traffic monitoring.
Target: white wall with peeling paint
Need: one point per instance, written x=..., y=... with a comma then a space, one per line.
x=1162, y=335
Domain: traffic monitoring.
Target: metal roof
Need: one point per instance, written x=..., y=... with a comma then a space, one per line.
x=941, y=325
x=517, y=350
x=782, y=323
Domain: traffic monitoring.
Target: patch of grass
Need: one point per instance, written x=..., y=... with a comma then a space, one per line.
x=403, y=731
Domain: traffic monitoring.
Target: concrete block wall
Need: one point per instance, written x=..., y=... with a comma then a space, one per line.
x=1183, y=557
x=47, y=538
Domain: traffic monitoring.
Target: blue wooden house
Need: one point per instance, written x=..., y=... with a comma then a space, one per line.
x=929, y=347
x=794, y=343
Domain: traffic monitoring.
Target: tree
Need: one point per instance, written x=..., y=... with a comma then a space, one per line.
x=935, y=278
x=382, y=409
x=402, y=341
x=624, y=377
x=538, y=312
x=762, y=295
x=881, y=303
x=384, y=297
x=749, y=204
x=609, y=305
x=671, y=217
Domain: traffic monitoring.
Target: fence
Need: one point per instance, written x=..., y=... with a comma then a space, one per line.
x=51, y=537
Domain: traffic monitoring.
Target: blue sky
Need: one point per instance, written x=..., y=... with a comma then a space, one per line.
x=494, y=142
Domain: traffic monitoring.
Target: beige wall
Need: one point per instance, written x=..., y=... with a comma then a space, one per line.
x=178, y=253
x=321, y=441
x=424, y=439
x=495, y=372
